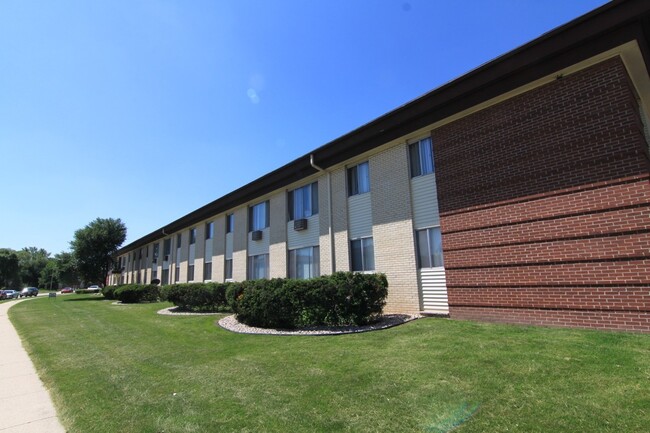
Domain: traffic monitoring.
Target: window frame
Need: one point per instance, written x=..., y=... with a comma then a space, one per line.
x=230, y=222
x=363, y=242
x=418, y=166
x=310, y=190
x=430, y=237
x=355, y=186
x=227, y=271
x=253, y=223
x=314, y=262
x=251, y=266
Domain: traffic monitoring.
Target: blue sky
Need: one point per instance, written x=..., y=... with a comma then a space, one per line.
x=145, y=110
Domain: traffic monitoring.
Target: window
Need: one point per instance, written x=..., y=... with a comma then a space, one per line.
x=230, y=223
x=156, y=252
x=303, y=202
x=165, y=277
x=429, y=247
x=192, y=236
x=258, y=216
x=228, y=270
x=179, y=238
x=190, y=273
x=421, y=157
x=207, y=271
x=304, y=263
x=258, y=267
x=177, y=274
x=363, y=254
x=167, y=249
x=358, y=179
x=209, y=230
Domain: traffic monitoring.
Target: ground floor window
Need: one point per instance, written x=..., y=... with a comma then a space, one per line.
x=165, y=277
x=304, y=263
x=154, y=273
x=177, y=274
x=190, y=273
x=258, y=267
x=228, y=269
x=362, y=254
x=429, y=247
x=207, y=271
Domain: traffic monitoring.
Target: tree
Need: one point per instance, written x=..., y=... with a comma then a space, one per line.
x=32, y=261
x=9, y=269
x=49, y=278
x=67, y=271
x=94, y=245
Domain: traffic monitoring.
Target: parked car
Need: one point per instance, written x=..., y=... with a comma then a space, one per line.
x=2, y=295
x=11, y=294
x=94, y=289
x=29, y=291
x=67, y=290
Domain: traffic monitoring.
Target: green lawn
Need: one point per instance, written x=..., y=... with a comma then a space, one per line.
x=126, y=369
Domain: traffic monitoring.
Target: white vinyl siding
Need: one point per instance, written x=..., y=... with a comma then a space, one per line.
x=434, y=290
x=360, y=216
x=303, y=238
x=261, y=246
x=425, y=201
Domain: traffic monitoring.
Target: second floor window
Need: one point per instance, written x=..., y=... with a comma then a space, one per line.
x=303, y=202
x=421, y=157
x=358, y=179
x=230, y=223
x=167, y=248
x=209, y=230
x=192, y=236
x=156, y=252
x=258, y=216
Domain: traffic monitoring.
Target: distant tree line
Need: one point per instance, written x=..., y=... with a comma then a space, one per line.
x=89, y=261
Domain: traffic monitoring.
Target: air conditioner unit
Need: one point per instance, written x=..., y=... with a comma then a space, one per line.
x=256, y=235
x=300, y=224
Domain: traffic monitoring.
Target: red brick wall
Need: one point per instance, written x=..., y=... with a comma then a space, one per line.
x=545, y=206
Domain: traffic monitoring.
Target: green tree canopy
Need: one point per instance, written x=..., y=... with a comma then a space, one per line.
x=9, y=269
x=93, y=247
x=67, y=271
x=32, y=261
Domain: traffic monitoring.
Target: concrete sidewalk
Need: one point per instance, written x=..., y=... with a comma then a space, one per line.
x=25, y=405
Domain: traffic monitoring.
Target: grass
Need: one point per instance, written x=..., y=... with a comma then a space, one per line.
x=126, y=369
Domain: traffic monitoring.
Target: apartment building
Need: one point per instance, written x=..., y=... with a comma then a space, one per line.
x=519, y=192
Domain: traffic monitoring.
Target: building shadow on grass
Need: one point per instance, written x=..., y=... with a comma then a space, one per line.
x=101, y=298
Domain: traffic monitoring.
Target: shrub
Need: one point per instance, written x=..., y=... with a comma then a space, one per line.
x=197, y=296
x=134, y=293
x=343, y=298
x=109, y=291
x=267, y=304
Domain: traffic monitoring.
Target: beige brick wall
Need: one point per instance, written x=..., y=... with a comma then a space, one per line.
x=239, y=258
x=278, y=233
x=393, y=228
x=340, y=220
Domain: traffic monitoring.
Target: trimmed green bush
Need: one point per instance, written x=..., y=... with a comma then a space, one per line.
x=344, y=298
x=109, y=291
x=134, y=293
x=197, y=296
